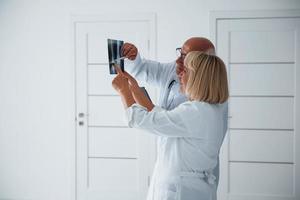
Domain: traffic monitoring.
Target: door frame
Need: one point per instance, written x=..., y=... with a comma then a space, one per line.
x=214, y=17
x=76, y=18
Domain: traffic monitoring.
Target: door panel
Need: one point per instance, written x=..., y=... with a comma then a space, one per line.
x=262, y=79
x=274, y=146
x=111, y=178
x=269, y=46
x=103, y=142
x=106, y=111
x=261, y=179
x=262, y=112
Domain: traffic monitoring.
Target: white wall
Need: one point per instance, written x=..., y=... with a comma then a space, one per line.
x=37, y=81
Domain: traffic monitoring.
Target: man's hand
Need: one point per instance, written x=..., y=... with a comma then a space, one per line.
x=129, y=51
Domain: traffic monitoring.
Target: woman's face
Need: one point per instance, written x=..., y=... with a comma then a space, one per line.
x=183, y=78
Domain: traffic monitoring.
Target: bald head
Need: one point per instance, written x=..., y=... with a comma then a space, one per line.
x=199, y=44
x=194, y=44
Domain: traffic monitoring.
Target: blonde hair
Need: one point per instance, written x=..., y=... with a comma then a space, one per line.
x=207, y=80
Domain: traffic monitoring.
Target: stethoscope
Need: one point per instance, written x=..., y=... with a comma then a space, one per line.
x=171, y=84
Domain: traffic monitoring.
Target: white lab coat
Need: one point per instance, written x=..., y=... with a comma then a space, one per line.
x=163, y=76
x=189, y=140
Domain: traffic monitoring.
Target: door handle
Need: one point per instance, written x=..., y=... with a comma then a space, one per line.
x=81, y=115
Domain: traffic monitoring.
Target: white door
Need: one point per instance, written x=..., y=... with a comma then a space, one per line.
x=260, y=158
x=113, y=162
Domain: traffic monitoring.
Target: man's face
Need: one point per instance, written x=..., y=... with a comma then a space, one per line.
x=179, y=61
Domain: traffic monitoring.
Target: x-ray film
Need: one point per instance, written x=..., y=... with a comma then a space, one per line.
x=114, y=55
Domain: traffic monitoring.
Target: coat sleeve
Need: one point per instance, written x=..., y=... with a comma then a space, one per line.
x=151, y=72
x=159, y=121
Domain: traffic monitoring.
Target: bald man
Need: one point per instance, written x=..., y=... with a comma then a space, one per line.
x=166, y=76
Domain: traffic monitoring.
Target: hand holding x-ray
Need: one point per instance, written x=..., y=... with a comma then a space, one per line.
x=129, y=51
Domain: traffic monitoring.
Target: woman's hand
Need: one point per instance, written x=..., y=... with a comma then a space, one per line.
x=137, y=93
x=133, y=84
x=120, y=82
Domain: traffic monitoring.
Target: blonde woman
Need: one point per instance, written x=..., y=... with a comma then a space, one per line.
x=190, y=135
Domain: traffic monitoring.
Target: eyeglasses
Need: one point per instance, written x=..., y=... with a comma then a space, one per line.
x=179, y=53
